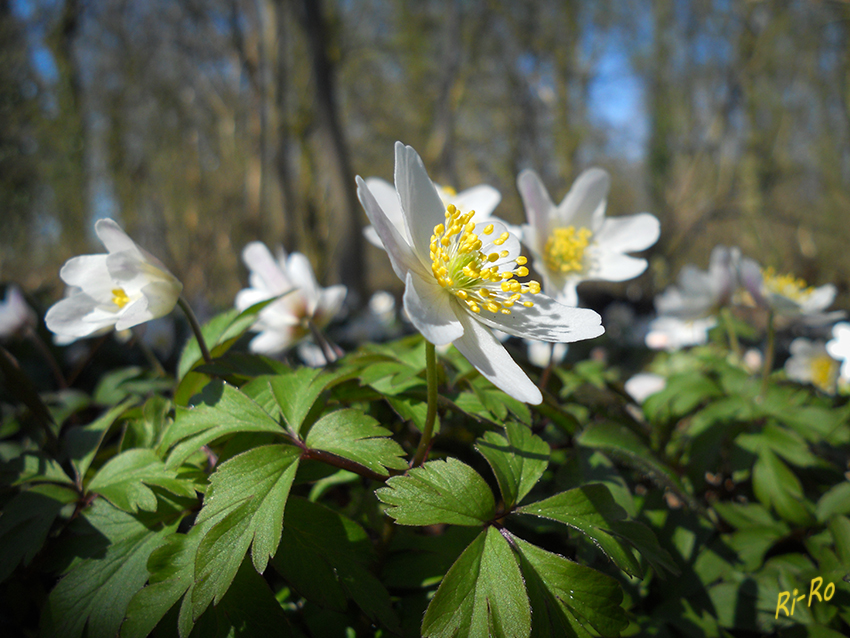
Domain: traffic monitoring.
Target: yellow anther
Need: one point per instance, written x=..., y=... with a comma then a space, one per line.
x=451, y=209
x=522, y=271
x=786, y=285
x=119, y=297
x=528, y=304
x=505, y=311
x=488, y=229
x=501, y=239
x=564, y=250
x=521, y=261
x=492, y=257
x=493, y=307
x=504, y=254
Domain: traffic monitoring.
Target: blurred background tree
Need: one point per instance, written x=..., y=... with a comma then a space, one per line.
x=201, y=125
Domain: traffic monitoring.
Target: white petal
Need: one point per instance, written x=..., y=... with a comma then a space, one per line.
x=491, y=359
x=643, y=385
x=371, y=236
x=114, y=238
x=161, y=297
x=270, y=342
x=820, y=298
x=584, y=205
x=398, y=249
x=387, y=197
x=628, y=234
x=547, y=320
x=77, y=316
x=429, y=308
x=538, y=205
x=483, y=199
x=301, y=274
x=751, y=278
x=248, y=297
x=541, y=353
x=330, y=302
x=422, y=207
x=265, y=268
x=89, y=273
x=616, y=267
x=134, y=313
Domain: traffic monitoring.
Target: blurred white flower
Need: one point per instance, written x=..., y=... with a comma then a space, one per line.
x=574, y=241
x=839, y=347
x=287, y=320
x=672, y=333
x=15, y=313
x=786, y=295
x=701, y=293
x=376, y=323
x=540, y=353
x=753, y=360
x=643, y=385
x=460, y=280
x=811, y=363
x=481, y=200
x=121, y=289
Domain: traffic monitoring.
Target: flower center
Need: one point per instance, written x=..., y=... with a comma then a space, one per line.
x=824, y=369
x=786, y=285
x=564, y=250
x=461, y=267
x=119, y=297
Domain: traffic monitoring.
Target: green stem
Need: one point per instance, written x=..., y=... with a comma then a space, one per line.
x=729, y=323
x=431, y=415
x=322, y=342
x=196, y=328
x=768, y=355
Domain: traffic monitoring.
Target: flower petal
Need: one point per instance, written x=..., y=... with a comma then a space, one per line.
x=134, y=313
x=491, y=359
x=161, y=297
x=629, y=233
x=88, y=273
x=538, y=205
x=267, y=270
x=584, y=205
x=546, y=320
x=483, y=199
x=387, y=197
x=398, y=249
x=616, y=267
x=820, y=298
x=114, y=238
x=422, y=207
x=270, y=342
x=329, y=304
x=299, y=270
x=77, y=316
x=429, y=308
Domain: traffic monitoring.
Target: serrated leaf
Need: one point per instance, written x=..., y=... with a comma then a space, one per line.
x=835, y=501
x=250, y=491
x=681, y=395
x=569, y=599
x=643, y=539
x=776, y=486
x=125, y=478
x=518, y=461
x=413, y=409
x=325, y=556
x=483, y=594
x=358, y=437
x=786, y=443
x=96, y=592
x=82, y=443
x=224, y=410
x=591, y=510
x=25, y=522
x=296, y=392
x=439, y=492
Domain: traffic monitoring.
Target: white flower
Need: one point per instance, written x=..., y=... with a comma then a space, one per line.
x=15, y=313
x=700, y=293
x=839, y=347
x=481, y=199
x=287, y=320
x=811, y=363
x=460, y=280
x=643, y=385
x=541, y=353
x=672, y=333
x=121, y=289
x=786, y=295
x=574, y=241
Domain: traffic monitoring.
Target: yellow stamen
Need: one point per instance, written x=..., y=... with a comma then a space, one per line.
x=786, y=285
x=119, y=297
x=564, y=250
x=824, y=372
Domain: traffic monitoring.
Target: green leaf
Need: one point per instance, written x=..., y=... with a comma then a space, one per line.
x=297, y=392
x=835, y=501
x=97, y=591
x=439, y=492
x=591, y=510
x=125, y=478
x=777, y=486
x=33, y=467
x=325, y=557
x=224, y=410
x=680, y=396
x=26, y=521
x=483, y=594
x=643, y=539
x=786, y=443
x=249, y=491
x=355, y=436
x=569, y=599
x=82, y=443
x=518, y=461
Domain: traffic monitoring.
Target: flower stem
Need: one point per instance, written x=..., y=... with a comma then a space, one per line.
x=547, y=371
x=322, y=342
x=431, y=414
x=768, y=355
x=196, y=328
x=729, y=324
